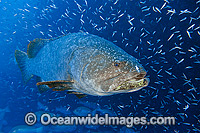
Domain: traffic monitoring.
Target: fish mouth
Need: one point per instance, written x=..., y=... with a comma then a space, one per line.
x=133, y=85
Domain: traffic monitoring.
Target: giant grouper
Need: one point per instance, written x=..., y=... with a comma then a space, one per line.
x=82, y=64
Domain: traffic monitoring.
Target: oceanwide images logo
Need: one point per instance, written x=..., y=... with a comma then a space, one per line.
x=47, y=119
x=30, y=119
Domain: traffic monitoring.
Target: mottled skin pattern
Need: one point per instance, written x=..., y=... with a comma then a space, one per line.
x=96, y=65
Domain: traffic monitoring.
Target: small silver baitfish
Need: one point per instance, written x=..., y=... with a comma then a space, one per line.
x=82, y=64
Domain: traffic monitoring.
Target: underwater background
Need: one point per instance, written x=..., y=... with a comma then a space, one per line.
x=163, y=34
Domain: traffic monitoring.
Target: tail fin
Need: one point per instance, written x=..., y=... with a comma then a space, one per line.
x=22, y=58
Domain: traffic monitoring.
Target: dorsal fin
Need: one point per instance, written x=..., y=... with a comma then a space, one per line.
x=35, y=46
x=38, y=43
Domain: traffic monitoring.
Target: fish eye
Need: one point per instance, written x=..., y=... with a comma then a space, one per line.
x=116, y=64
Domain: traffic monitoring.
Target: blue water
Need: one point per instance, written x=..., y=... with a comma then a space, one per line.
x=166, y=43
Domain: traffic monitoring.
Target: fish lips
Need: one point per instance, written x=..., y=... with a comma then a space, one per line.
x=133, y=84
x=137, y=85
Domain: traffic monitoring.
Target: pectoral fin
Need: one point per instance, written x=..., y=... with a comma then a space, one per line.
x=60, y=85
x=57, y=85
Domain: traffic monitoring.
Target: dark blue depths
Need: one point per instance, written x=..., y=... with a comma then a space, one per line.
x=162, y=34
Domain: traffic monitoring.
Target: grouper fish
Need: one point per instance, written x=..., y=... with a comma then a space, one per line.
x=81, y=63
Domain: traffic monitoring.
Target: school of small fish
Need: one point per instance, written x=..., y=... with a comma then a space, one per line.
x=163, y=35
